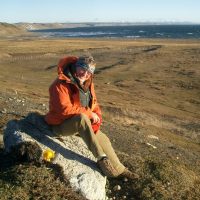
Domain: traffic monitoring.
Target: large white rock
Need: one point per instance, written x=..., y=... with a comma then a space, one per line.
x=72, y=154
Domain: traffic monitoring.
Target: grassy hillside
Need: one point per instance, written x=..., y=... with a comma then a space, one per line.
x=9, y=29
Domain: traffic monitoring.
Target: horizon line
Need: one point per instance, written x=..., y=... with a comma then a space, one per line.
x=109, y=22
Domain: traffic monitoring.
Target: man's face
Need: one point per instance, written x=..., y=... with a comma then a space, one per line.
x=82, y=74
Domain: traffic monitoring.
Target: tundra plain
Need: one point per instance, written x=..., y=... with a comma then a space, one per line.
x=149, y=93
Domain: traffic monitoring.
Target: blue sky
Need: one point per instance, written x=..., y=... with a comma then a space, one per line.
x=13, y=11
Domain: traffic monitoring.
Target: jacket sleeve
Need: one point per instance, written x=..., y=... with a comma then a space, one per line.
x=60, y=97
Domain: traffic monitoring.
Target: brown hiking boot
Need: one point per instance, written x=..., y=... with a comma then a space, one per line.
x=128, y=174
x=107, y=168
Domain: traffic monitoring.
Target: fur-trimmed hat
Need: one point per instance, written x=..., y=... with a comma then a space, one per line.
x=86, y=62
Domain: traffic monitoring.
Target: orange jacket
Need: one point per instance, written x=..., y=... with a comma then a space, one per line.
x=64, y=98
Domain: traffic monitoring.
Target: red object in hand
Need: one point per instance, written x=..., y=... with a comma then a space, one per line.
x=96, y=126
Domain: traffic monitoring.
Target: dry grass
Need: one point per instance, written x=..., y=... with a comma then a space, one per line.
x=21, y=180
x=149, y=87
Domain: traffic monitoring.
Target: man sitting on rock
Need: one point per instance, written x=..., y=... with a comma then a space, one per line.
x=74, y=109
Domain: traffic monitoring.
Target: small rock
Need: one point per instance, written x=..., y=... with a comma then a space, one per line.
x=4, y=111
x=124, y=197
x=151, y=145
x=43, y=105
x=125, y=179
x=117, y=188
x=153, y=137
x=112, y=103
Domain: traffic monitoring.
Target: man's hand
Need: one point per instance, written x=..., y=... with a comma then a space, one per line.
x=95, y=118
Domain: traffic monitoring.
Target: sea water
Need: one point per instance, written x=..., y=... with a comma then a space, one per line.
x=134, y=31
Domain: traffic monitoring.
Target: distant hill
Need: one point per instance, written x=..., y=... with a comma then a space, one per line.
x=10, y=29
x=36, y=26
x=7, y=29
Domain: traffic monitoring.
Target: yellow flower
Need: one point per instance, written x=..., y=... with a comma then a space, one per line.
x=48, y=155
